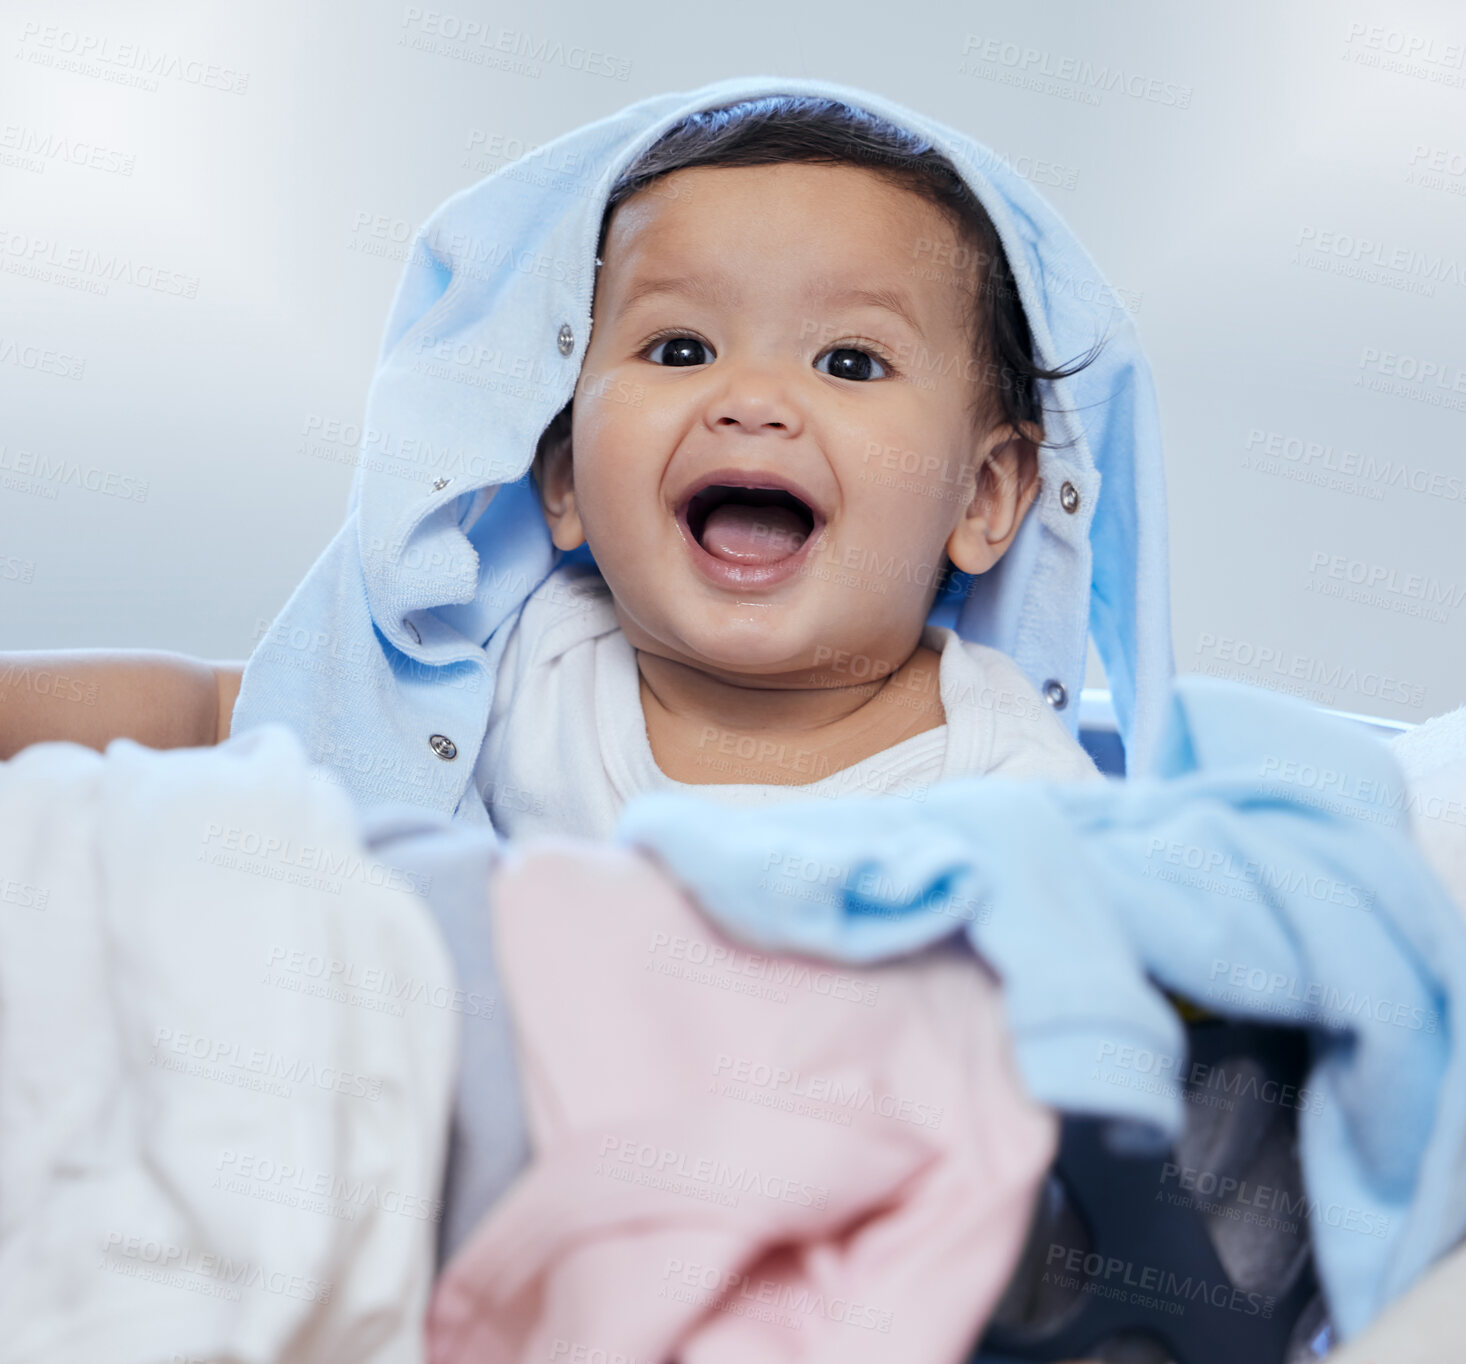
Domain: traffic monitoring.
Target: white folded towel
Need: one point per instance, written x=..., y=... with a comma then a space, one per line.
x=226, y=1057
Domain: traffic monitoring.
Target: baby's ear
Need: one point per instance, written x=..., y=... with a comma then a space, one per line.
x=1005, y=486
x=554, y=475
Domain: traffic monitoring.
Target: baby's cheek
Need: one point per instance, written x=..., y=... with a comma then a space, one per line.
x=899, y=541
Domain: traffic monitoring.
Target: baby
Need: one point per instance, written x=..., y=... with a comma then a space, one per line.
x=808, y=405
x=808, y=422
x=759, y=615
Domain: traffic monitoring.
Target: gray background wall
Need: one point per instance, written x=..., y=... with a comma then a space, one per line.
x=1280, y=190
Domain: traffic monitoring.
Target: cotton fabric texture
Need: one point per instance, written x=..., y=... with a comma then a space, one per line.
x=738, y=1158
x=1291, y=813
x=226, y=1059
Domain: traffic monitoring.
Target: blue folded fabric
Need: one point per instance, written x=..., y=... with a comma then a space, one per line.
x=1263, y=869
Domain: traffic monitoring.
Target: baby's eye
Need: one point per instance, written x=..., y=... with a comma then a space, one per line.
x=680, y=351
x=846, y=362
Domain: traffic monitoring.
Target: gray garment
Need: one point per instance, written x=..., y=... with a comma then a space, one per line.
x=488, y=1143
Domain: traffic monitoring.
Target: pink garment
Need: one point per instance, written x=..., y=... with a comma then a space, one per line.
x=738, y=1157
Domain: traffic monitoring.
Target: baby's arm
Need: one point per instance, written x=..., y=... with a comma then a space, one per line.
x=92, y=696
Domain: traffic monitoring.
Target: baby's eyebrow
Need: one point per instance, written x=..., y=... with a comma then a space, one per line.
x=720, y=287
x=717, y=287
x=890, y=300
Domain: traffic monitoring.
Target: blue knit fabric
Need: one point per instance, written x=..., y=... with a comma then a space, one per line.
x=1262, y=869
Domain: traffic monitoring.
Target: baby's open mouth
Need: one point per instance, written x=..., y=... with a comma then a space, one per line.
x=749, y=525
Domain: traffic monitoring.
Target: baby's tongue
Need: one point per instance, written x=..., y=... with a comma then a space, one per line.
x=743, y=534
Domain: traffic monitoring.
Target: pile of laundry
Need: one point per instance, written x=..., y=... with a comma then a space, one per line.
x=752, y=1084
x=1265, y=871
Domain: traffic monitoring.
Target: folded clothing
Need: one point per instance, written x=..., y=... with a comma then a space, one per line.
x=1263, y=869
x=738, y=1157
x=225, y=1064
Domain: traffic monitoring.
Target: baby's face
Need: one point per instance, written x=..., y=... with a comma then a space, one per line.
x=773, y=443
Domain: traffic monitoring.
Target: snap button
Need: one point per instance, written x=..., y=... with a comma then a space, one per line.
x=1069, y=498
x=566, y=339
x=1055, y=694
x=444, y=747
x=440, y=484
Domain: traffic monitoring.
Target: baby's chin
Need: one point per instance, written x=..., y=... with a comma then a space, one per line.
x=746, y=650
x=761, y=641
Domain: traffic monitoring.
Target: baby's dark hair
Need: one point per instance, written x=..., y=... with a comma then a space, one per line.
x=775, y=129
x=813, y=129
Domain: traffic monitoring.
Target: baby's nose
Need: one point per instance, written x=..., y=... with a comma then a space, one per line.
x=754, y=402
x=734, y=421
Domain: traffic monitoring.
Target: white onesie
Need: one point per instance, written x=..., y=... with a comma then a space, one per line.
x=567, y=746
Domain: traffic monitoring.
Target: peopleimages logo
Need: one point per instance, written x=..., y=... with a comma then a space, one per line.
x=1427, y=269
x=1246, y=878
x=254, y=1067
x=1437, y=382
x=1076, y=78
x=122, y=63
x=1147, y=1285
x=493, y=45
x=41, y=359
x=33, y=148
x=178, y=1264
x=52, y=472
x=1381, y=473
x=276, y=1181
x=1382, y=585
x=1421, y=55
x=1280, y=668
x=1296, y=996
x=1271, y=1206
x=1203, y=1085
x=82, y=267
